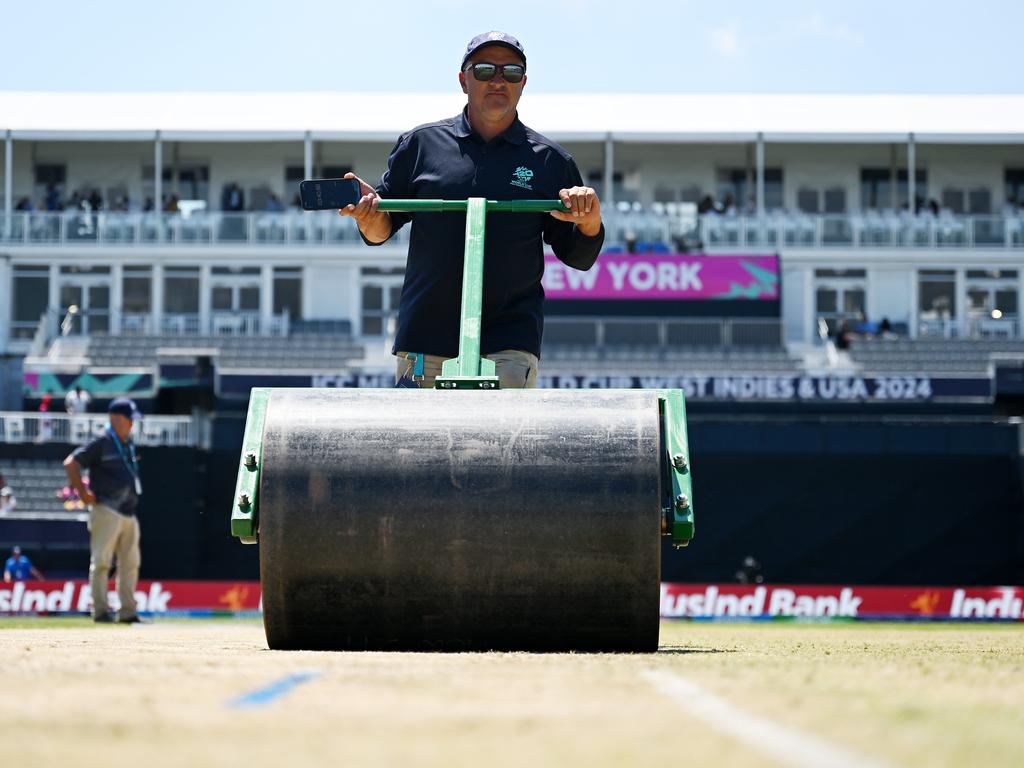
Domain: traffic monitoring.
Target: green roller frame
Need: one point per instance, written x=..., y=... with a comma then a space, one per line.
x=471, y=371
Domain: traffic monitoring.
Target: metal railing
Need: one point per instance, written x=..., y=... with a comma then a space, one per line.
x=197, y=229
x=972, y=328
x=870, y=230
x=243, y=323
x=662, y=331
x=29, y=427
x=633, y=231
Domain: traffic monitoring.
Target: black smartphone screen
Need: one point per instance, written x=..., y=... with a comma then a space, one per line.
x=328, y=194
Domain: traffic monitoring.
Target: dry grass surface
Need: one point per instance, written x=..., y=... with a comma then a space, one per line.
x=161, y=695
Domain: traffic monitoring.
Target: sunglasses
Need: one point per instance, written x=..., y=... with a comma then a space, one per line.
x=510, y=73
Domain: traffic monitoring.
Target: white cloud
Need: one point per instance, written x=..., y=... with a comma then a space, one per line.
x=725, y=39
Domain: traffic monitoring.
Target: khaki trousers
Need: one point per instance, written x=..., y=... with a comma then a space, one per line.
x=515, y=369
x=110, y=534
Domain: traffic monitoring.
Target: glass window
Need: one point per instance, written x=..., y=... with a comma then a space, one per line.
x=936, y=299
x=373, y=297
x=31, y=297
x=136, y=294
x=853, y=301
x=827, y=300
x=978, y=300
x=953, y=199
x=221, y=298
x=979, y=201
x=249, y=298
x=1006, y=301
x=807, y=200
x=288, y=296
x=181, y=295
x=835, y=200
x=1015, y=186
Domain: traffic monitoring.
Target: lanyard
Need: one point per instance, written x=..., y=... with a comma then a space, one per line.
x=128, y=457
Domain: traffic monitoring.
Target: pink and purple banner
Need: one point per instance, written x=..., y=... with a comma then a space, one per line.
x=665, y=277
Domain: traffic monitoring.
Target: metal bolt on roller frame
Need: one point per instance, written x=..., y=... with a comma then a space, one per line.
x=464, y=517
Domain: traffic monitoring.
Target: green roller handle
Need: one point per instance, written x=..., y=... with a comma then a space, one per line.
x=446, y=206
x=469, y=370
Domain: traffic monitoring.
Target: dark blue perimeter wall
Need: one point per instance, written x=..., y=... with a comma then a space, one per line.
x=815, y=500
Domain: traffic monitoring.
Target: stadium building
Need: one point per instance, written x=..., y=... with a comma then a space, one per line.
x=830, y=279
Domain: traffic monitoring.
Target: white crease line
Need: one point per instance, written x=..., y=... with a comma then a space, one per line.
x=789, y=746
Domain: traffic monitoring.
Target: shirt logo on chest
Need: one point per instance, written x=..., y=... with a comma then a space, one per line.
x=521, y=177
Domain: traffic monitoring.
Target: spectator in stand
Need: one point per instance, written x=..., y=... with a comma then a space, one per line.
x=274, y=203
x=53, y=202
x=95, y=200
x=232, y=198
x=706, y=205
x=148, y=205
x=77, y=401
x=297, y=202
x=7, y=500
x=171, y=204
x=19, y=568
x=24, y=204
x=45, y=425
x=113, y=500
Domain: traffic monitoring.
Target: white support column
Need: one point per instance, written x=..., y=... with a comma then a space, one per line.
x=959, y=318
x=307, y=156
x=1020, y=302
x=6, y=289
x=266, y=298
x=116, y=297
x=759, y=170
x=608, y=203
x=53, y=301
x=158, y=183
x=205, y=300
x=8, y=184
x=810, y=324
x=913, y=311
x=894, y=180
x=911, y=173
x=158, y=299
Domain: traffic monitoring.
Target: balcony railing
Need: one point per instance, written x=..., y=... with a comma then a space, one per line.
x=641, y=231
x=18, y=427
x=663, y=331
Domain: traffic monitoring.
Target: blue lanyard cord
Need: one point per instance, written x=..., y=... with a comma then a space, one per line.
x=128, y=457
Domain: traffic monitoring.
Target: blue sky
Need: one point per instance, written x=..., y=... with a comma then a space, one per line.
x=590, y=46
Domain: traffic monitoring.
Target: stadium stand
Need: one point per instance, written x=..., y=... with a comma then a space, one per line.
x=973, y=356
x=301, y=350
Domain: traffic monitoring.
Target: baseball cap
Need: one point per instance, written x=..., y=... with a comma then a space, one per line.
x=5, y=491
x=493, y=38
x=124, y=406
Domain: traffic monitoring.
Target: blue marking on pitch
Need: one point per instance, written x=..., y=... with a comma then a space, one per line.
x=269, y=693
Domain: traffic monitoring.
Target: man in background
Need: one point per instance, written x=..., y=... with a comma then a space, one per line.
x=19, y=568
x=77, y=401
x=112, y=497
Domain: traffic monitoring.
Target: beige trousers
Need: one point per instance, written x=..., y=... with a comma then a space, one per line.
x=110, y=534
x=516, y=369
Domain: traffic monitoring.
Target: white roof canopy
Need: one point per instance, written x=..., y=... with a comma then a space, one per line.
x=627, y=117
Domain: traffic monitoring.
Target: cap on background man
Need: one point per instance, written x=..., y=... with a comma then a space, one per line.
x=124, y=406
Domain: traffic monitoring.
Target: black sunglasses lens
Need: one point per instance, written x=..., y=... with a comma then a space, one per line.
x=484, y=71
x=513, y=73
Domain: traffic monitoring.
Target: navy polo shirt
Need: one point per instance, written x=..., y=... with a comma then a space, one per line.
x=109, y=476
x=447, y=160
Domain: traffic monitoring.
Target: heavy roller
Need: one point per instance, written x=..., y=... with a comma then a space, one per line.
x=464, y=517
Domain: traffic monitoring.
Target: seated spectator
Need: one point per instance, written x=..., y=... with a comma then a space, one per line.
x=53, y=201
x=24, y=204
x=885, y=330
x=274, y=203
x=7, y=500
x=19, y=568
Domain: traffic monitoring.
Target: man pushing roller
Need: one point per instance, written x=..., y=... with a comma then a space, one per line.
x=483, y=152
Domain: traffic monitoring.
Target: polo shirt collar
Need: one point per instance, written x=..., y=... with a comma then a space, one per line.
x=514, y=134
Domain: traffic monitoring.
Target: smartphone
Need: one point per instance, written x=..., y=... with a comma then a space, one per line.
x=328, y=194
